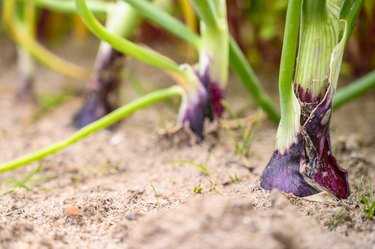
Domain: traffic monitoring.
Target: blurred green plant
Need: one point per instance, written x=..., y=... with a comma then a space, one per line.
x=366, y=199
x=184, y=75
x=22, y=183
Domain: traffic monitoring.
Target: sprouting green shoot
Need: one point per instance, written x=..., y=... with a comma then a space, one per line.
x=354, y=90
x=156, y=195
x=198, y=189
x=365, y=199
x=69, y=6
x=25, y=40
x=123, y=45
x=75, y=181
x=106, y=121
x=238, y=61
x=234, y=178
x=50, y=102
x=22, y=183
x=202, y=168
x=247, y=130
x=339, y=218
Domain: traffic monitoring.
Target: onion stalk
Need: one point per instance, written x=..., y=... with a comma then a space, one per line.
x=27, y=17
x=102, y=96
x=303, y=163
x=193, y=106
x=104, y=122
x=21, y=35
x=211, y=77
x=238, y=62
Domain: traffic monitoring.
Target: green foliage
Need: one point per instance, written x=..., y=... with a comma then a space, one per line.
x=22, y=183
x=234, y=178
x=247, y=130
x=366, y=200
x=198, y=189
x=338, y=219
x=50, y=102
x=155, y=194
x=267, y=17
x=201, y=167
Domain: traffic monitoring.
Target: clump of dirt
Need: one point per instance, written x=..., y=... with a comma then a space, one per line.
x=214, y=221
x=134, y=188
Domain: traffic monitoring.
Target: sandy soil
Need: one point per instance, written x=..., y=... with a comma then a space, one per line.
x=98, y=193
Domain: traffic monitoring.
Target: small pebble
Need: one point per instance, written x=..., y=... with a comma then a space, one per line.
x=131, y=216
x=72, y=211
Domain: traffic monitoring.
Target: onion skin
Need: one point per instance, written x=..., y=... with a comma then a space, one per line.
x=283, y=172
x=322, y=166
x=308, y=165
x=204, y=103
x=102, y=98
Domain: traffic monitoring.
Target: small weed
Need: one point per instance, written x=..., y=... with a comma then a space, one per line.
x=366, y=201
x=198, y=189
x=202, y=168
x=339, y=218
x=75, y=181
x=234, y=178
x=156, y=195
x=248, y=128
x=50, y=102
x=22, y=184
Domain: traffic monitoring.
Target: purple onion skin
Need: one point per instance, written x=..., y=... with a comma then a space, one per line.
x=103, y=97
x=26, y=93
x=217, y=95
x=196, y=114
x=283, y=172
x=92, y=109
x=208, y=106
x=311, y=152
x=323, y=167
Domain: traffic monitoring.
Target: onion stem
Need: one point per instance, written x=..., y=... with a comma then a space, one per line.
x=238, y=62
x=354, y=90
x=26, y=41
x=123, y=45
x=69, y=6
x=290, y=109
x=106, y=121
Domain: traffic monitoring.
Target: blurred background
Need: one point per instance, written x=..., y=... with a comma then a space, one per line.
x=257, y=25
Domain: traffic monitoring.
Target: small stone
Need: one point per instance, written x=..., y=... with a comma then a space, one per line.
x=72, y=211
x=131, y=216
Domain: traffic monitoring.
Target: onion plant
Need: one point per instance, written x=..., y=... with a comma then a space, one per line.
x=102, y=96
x=196, y=102
x=303, y=163
x=19, y=18
x=213, y=64
x=26, y=14
x=237, y=60
x=104, y=122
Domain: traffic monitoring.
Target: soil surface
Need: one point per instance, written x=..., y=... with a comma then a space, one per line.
x=138, y=185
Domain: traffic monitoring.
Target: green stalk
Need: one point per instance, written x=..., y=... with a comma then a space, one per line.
x=26, y=41
x=354, y=90
x=123, y=45
x=106, y=121
x=214, y=50
x=207, y=12
x=69, y=6
x=241, y=67
x=290, y=109
x=349, y=13
x=318, y=37
x=26, y=67
x=237, y=59
x=165, y=20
